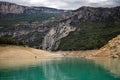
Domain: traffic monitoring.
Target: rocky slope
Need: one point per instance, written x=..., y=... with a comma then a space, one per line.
x=112, y=49
x=26, y=24
x=93, y=29
x=91, y=14
x=31, y=34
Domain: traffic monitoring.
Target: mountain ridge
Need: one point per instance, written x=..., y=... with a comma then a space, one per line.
x=7, y=7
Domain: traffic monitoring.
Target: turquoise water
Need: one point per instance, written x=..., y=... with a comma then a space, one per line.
x=64, y=69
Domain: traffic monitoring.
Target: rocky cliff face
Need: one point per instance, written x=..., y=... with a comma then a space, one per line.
x=6, y=8
x=52, y=39
x=84, y=14
x=29, y=33
x=112, y=49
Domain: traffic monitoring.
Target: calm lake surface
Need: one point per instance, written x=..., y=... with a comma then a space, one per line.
x=61, y=69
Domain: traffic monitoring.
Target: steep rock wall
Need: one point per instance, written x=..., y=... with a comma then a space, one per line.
x=52, y=39
x=6, y=8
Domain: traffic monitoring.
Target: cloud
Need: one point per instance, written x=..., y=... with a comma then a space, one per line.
x=97, y=1
x=67, y=4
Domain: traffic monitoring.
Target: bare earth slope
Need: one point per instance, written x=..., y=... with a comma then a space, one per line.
x=112, y=49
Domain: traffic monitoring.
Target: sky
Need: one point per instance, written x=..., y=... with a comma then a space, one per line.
x=67, y=4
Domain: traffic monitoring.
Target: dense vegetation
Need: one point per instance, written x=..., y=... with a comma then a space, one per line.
x=9, y=41
x=90, y=35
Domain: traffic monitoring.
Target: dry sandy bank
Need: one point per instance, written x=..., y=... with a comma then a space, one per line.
x=12, y=56
x=17, y=52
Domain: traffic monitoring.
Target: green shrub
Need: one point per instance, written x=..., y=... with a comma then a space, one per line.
x=9, y=41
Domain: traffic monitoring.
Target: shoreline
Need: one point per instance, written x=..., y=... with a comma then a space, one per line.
x=21, y=52
x=11, y=56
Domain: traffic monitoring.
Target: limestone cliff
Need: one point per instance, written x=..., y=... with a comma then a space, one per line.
x=112, y=49
x=52, y=39
x=12, y=8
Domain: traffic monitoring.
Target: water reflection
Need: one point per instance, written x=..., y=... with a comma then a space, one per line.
x=61, y=69
x=113, y=65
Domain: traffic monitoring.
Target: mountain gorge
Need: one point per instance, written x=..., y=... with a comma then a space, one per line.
x=51, y=29
x=93, y=28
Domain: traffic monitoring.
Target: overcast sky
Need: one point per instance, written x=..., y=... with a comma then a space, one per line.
x=67, y=4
